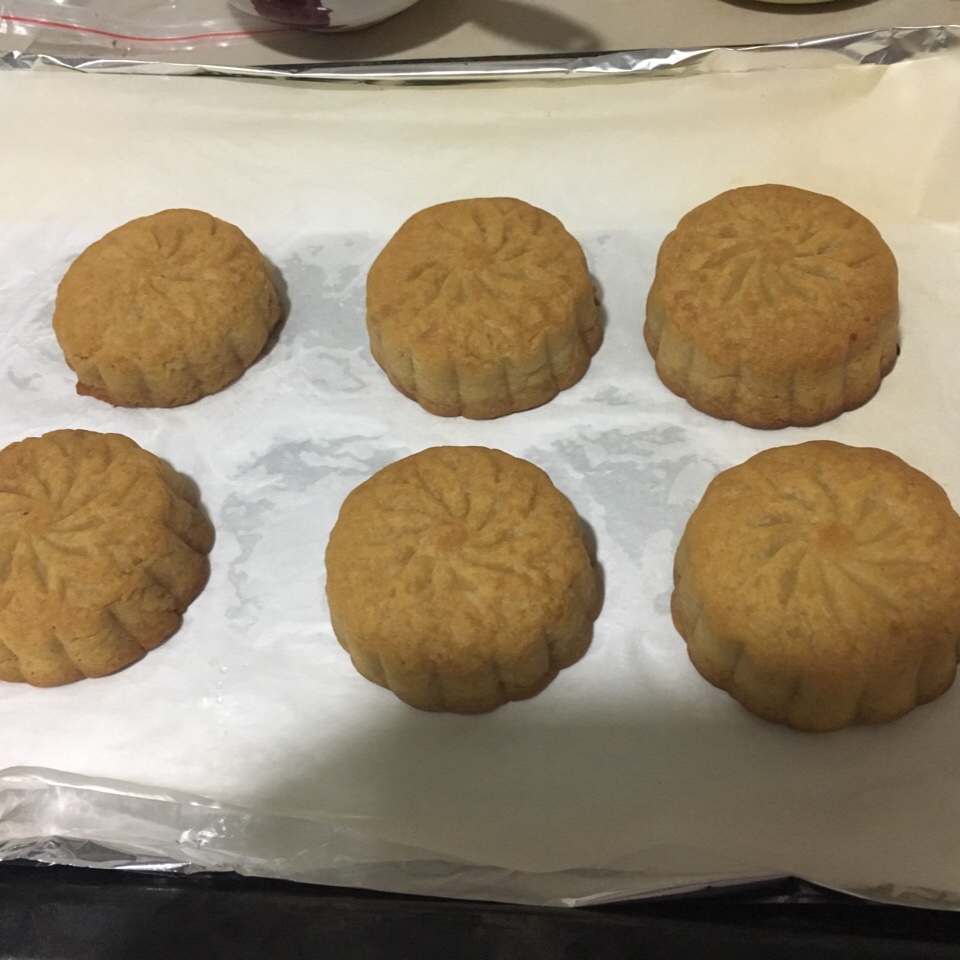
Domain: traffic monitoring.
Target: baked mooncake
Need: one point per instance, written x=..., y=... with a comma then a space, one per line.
x=819, y=585
x=164, y=310
x=459, y=579
x=102, y=548
x=480, y=308
x=773, y=306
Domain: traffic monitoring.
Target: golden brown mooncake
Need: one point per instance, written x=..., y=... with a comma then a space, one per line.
x=773, y=306
x=819, y=585
x=459, y=579
x=164, y=310
x=102, y=548
x=480, y=308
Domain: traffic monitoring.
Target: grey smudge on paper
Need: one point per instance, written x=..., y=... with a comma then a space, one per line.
x=245, y=521
x=342, y=373
x=638, y=488
x=290, y=490
x=661, y=603
x=29, y=382
x=649, y=479
x=298, y=464
x=614, y=397
x=325, y=337
x=329, y=296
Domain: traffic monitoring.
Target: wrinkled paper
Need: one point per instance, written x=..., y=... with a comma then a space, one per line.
x=248, y=741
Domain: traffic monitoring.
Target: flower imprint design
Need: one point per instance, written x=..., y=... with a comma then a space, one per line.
x=165, y=309
x=826, y=576
x=772, y=306
x=482, y=307
x=502, y=260
x=102, y=547
x=455, y=562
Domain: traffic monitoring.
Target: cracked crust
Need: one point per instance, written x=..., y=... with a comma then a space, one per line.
x=481, y=308
x=102, y=548
x=773, y=306
x=164, y=310
x=819, y=585
x=459, y=579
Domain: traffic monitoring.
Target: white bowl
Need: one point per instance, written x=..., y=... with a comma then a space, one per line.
x=324, y=15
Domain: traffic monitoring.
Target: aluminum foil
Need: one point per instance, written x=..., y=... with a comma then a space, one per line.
x=180, y=833
x=886, y=46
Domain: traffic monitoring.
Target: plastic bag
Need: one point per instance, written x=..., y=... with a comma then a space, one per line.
x=125, y=25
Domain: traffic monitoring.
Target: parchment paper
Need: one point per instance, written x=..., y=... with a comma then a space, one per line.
x=630, y=772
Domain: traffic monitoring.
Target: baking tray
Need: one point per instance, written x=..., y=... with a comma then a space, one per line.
x=48, y=913
x=91, y=816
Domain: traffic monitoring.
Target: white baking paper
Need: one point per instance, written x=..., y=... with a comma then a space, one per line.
x=629, y=773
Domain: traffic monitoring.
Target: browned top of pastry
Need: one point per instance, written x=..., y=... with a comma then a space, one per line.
x=774, y=276
x=452, y=555
x=98, y=538
x=179, y=288
x=478, y=280
x=832, y=558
